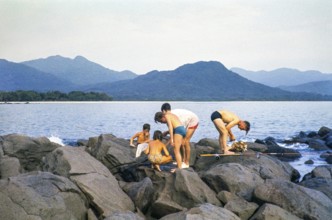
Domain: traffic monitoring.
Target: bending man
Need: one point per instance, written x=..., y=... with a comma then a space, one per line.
x=224, y=120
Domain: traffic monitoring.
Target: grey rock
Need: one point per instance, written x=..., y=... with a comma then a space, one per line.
x=41, y=195
x=124, y=215
x=301, y=201
x=141, y=193
x=204, y=211
x=28, y=150
x=273, y=212
x=234, y=178
x=92, y=177
x=9, y=166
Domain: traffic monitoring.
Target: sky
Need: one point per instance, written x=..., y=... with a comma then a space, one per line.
x=146, y=35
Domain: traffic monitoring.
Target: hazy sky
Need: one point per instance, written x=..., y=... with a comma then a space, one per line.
x=145, y=35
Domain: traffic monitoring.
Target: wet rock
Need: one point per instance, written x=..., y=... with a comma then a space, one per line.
x=321, y=184
x=324, y=131
x=309, y=162
x=317, y=144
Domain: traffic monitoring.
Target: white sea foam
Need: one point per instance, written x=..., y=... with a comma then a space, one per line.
x=56, y=140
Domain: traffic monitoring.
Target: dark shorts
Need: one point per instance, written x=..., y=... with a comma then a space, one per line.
x=180, y=130
x=215, y=115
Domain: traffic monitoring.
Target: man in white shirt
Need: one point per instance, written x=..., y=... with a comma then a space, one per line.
x=190, y=121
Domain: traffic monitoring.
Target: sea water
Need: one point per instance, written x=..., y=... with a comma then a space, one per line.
x=66, y=122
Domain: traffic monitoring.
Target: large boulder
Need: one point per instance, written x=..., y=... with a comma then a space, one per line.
x=28, y=150
x=124, y=215
x=303, y=202
x=41, y=195
x=113, y=152
x=141, y=193
x=232, y=177
x=237, y=205
x=204, y=211
x=9, y=166
x=266, y=166
x=270, y=211
x=324, y=171
x=92, y=177
x=179, y=191
x=321, y=184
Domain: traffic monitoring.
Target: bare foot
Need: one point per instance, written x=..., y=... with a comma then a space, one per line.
x=173, y=170
x=157, y=167
x=228, y=152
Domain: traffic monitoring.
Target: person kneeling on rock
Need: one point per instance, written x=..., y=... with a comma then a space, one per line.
x=154, y=151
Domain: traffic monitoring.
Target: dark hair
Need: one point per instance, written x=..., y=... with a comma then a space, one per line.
x=146, y=126
x=166, y=107
x=247, y=126
x=158, y=135
x=158, y=116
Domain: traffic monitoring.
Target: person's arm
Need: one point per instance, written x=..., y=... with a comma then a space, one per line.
x=170, y=128
x=165, y=133
x=147, y=150
x=132, y=139
x=229, y=126
x=231, y=135
x=148, y=139
x=165, y=150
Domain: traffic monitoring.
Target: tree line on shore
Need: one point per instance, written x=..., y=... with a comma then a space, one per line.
x=25, y=96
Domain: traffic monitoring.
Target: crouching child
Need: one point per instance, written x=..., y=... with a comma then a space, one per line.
x=154, y=151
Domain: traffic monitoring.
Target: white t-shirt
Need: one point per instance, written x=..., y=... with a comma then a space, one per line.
x=187, y=118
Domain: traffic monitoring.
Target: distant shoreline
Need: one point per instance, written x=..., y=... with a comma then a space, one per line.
x=137, y=101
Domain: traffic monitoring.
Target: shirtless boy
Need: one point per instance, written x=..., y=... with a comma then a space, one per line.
x=190, y=121
x=154, y=150
x=224, y=120
x=143, y=138
x=176, y=131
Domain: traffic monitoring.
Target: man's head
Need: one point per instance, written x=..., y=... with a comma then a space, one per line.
x=159, y=117
x=244, y=125
x=165, y=107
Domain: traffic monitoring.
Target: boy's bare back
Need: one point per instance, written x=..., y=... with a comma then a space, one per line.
x=156, y=147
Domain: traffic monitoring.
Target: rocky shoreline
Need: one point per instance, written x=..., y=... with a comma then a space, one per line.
x=102, y=179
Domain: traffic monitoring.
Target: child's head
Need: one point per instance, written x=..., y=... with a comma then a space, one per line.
x=165, y=107
x=159, y=117
x=157, y=135
x=146, y=127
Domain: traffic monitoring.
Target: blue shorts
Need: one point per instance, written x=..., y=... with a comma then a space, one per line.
x=180, y=130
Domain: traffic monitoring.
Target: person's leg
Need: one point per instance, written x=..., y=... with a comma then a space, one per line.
x=177, y=144
x=166, y=159
x=223, y=133
x=190, y=132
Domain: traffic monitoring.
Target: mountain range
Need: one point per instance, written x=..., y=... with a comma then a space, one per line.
x=282, y=76
x=201, y=81
x=79, y=70
x=16, y=76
